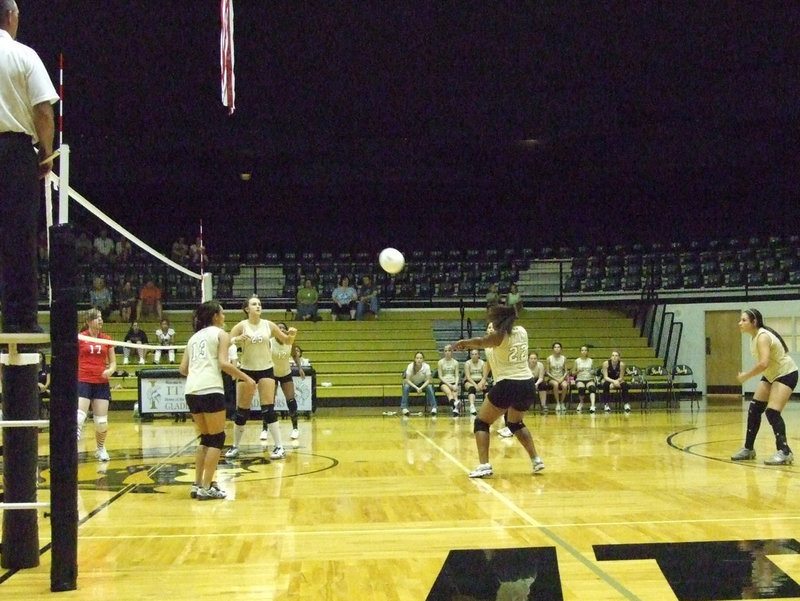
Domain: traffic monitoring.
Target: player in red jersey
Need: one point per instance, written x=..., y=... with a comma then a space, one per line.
x=96, y=363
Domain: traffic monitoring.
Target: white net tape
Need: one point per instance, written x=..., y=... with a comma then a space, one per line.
x=131, y=345
x=122, y=230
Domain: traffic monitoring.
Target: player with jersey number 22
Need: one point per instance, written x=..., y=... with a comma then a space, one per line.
x=514, y=390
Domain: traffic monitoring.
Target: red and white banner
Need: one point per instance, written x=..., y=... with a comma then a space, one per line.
x=226, y=55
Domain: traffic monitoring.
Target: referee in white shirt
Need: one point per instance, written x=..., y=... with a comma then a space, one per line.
x=26, y=118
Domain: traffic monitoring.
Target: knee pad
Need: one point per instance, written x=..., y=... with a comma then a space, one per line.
x=774, y=417
x=515, y=426
x=480, y=426
x=292, y=405
x=81, y=417
x=214, y=441
x=757, y=407
x=240, y=417
x=269, y=414
x=100, y=423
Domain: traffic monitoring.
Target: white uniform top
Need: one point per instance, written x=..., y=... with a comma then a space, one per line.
x=780, y=363
x=24, y=82
x=585, y=369
x=256, y=352
x=281, y=354
x=418, y=378
x=557, y=366
x=475, y=370
x=447, y=370
x=163, y=337
x=205, y=376
x=510, y=357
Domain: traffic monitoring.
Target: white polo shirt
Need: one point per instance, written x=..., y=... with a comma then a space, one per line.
x=24, y=83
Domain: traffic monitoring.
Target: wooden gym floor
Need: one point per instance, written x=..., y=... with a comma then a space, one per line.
x=645, y=506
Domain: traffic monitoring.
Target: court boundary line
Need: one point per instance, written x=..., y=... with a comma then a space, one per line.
x=441, y=529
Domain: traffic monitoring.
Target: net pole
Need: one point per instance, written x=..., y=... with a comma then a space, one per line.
x=63, y=409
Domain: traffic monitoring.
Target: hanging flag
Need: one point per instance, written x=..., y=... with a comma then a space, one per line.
x=226, y=55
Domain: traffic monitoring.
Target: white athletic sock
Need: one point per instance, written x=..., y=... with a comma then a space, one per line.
x=238, y=432
x=275, y=431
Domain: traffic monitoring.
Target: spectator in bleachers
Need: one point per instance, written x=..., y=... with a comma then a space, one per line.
x=558, y=376
x=149, y=301
x=367, y=298
x=613, y=371
x=584, y=372
x=165, y=336
x=303, y=362
x=475, y=380
x=123, y=251
x=514, y=298
x=492, y=296
x=538, y=371
x=344, y=300
x=83, y=247
x=417, y=377
x=103, y=246
x=180, y=251
x=126, y=301
x=100, y=297
x=448, y=377
x=307, y=298
x=137, y=336
x=197, y=253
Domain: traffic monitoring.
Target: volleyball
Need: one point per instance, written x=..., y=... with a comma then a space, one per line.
x=391, y=260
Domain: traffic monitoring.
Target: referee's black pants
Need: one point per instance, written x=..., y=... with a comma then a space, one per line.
x=20, y=198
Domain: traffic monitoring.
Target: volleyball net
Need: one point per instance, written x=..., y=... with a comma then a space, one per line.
x=58, y=183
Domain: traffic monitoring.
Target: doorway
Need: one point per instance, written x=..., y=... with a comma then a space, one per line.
x=723, y=352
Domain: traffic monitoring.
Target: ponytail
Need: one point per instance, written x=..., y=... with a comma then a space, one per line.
x=756, y=317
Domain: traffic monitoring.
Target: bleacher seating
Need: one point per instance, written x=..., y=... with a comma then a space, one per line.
x=440, y=277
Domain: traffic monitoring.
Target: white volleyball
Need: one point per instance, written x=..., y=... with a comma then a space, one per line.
x=391, y=260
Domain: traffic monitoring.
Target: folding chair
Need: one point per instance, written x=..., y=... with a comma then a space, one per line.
x=684, y=385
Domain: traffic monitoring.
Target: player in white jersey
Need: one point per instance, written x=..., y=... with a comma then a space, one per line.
x=282, y=355
x=204, y=360
x=253, y=335
x=778, y=379
x=513, y=390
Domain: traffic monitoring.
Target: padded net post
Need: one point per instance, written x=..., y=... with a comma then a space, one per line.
x=63, y=185
x=208, y=288
x=63, y=408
